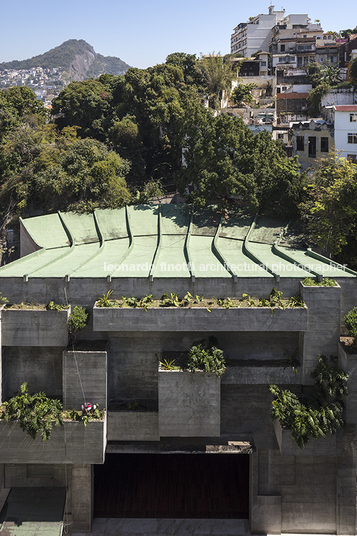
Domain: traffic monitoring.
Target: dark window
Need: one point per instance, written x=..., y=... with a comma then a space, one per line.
x=352, y=137
x=300, y=143
x=324, y=145
x=282, y=48
x=312, y=146
x=353, y=118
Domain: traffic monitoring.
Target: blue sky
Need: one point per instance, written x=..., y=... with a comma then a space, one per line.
x=143, y=33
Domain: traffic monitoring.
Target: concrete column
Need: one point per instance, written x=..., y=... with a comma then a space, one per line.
x=79, y=498
x=1, y=366
x=265, y=510
x=323, y=331
x=346, y=484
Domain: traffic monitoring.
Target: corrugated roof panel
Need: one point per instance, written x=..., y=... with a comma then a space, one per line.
x=81, y=227
x=143, y=219
x=47, y=231
x=175, y=219
x=238, y=261
x=205, y=263
x=112, y=223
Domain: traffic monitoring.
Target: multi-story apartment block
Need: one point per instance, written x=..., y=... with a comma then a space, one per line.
x=249, y=37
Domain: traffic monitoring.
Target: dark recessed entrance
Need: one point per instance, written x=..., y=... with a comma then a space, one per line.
x=212, y=486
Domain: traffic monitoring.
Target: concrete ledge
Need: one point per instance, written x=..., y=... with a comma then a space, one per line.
x=189, y=404
x=199, y=319
x=34, y=327
x=133, y=426
x=261, y=373
x=72, y=443
x=324, y=446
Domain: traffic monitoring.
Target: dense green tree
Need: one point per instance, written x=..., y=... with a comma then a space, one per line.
x=84, y=104
x=243, y=92
x=353, y=72
x=225, y=160
x=17, y=103
x=331, y=205
x=48, y=171
x=217, y=74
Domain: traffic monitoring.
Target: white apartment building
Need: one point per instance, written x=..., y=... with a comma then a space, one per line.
x=346, y=131
x=249, y=37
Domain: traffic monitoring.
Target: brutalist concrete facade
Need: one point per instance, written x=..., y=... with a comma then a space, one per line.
x=77, y=259
x=291, y=490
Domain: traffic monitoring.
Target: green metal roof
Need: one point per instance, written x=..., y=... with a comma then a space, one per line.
x=164, y=241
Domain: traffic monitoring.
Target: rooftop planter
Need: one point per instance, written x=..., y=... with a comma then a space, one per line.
x=323, y=446
x=71, y=443
x=133, y=421
x=34, y=327
x=200, y=314
x=190, y=401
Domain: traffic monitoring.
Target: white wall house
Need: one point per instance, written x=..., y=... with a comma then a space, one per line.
x=346, y=131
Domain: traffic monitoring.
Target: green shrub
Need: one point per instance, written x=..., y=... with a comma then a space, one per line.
x=78, y=320
x=351, y=323
x=326, y=282
x=319, y=415
x=208, y=359
x=36, y=413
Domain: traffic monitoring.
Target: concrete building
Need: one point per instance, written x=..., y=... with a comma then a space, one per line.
x=183, y=418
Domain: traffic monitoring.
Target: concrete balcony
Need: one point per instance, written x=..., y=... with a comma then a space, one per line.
x=189, y=404
x=254, y=371
x=140, y=424
x=324, y=446
x=71, y=443
x=199, y=319
x=34, y=327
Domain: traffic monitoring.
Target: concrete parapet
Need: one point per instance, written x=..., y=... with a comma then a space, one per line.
x=71, y=443
x=34, y=327
x=189, y=404
x=324, y=446
x=261, y=373
x=133, y=426
x=199, y=319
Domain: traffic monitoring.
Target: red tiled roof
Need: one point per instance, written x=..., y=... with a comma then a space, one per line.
x=346, y=108
x=292, y=95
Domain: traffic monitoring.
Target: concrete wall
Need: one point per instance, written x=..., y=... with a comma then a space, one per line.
x=41, y=368
x=71, y=443
x=84, y=379
x=133, y=426
x=28, y=327
x=199, y=319
x=86, y=291
x=323, y=334
x=189, y=404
